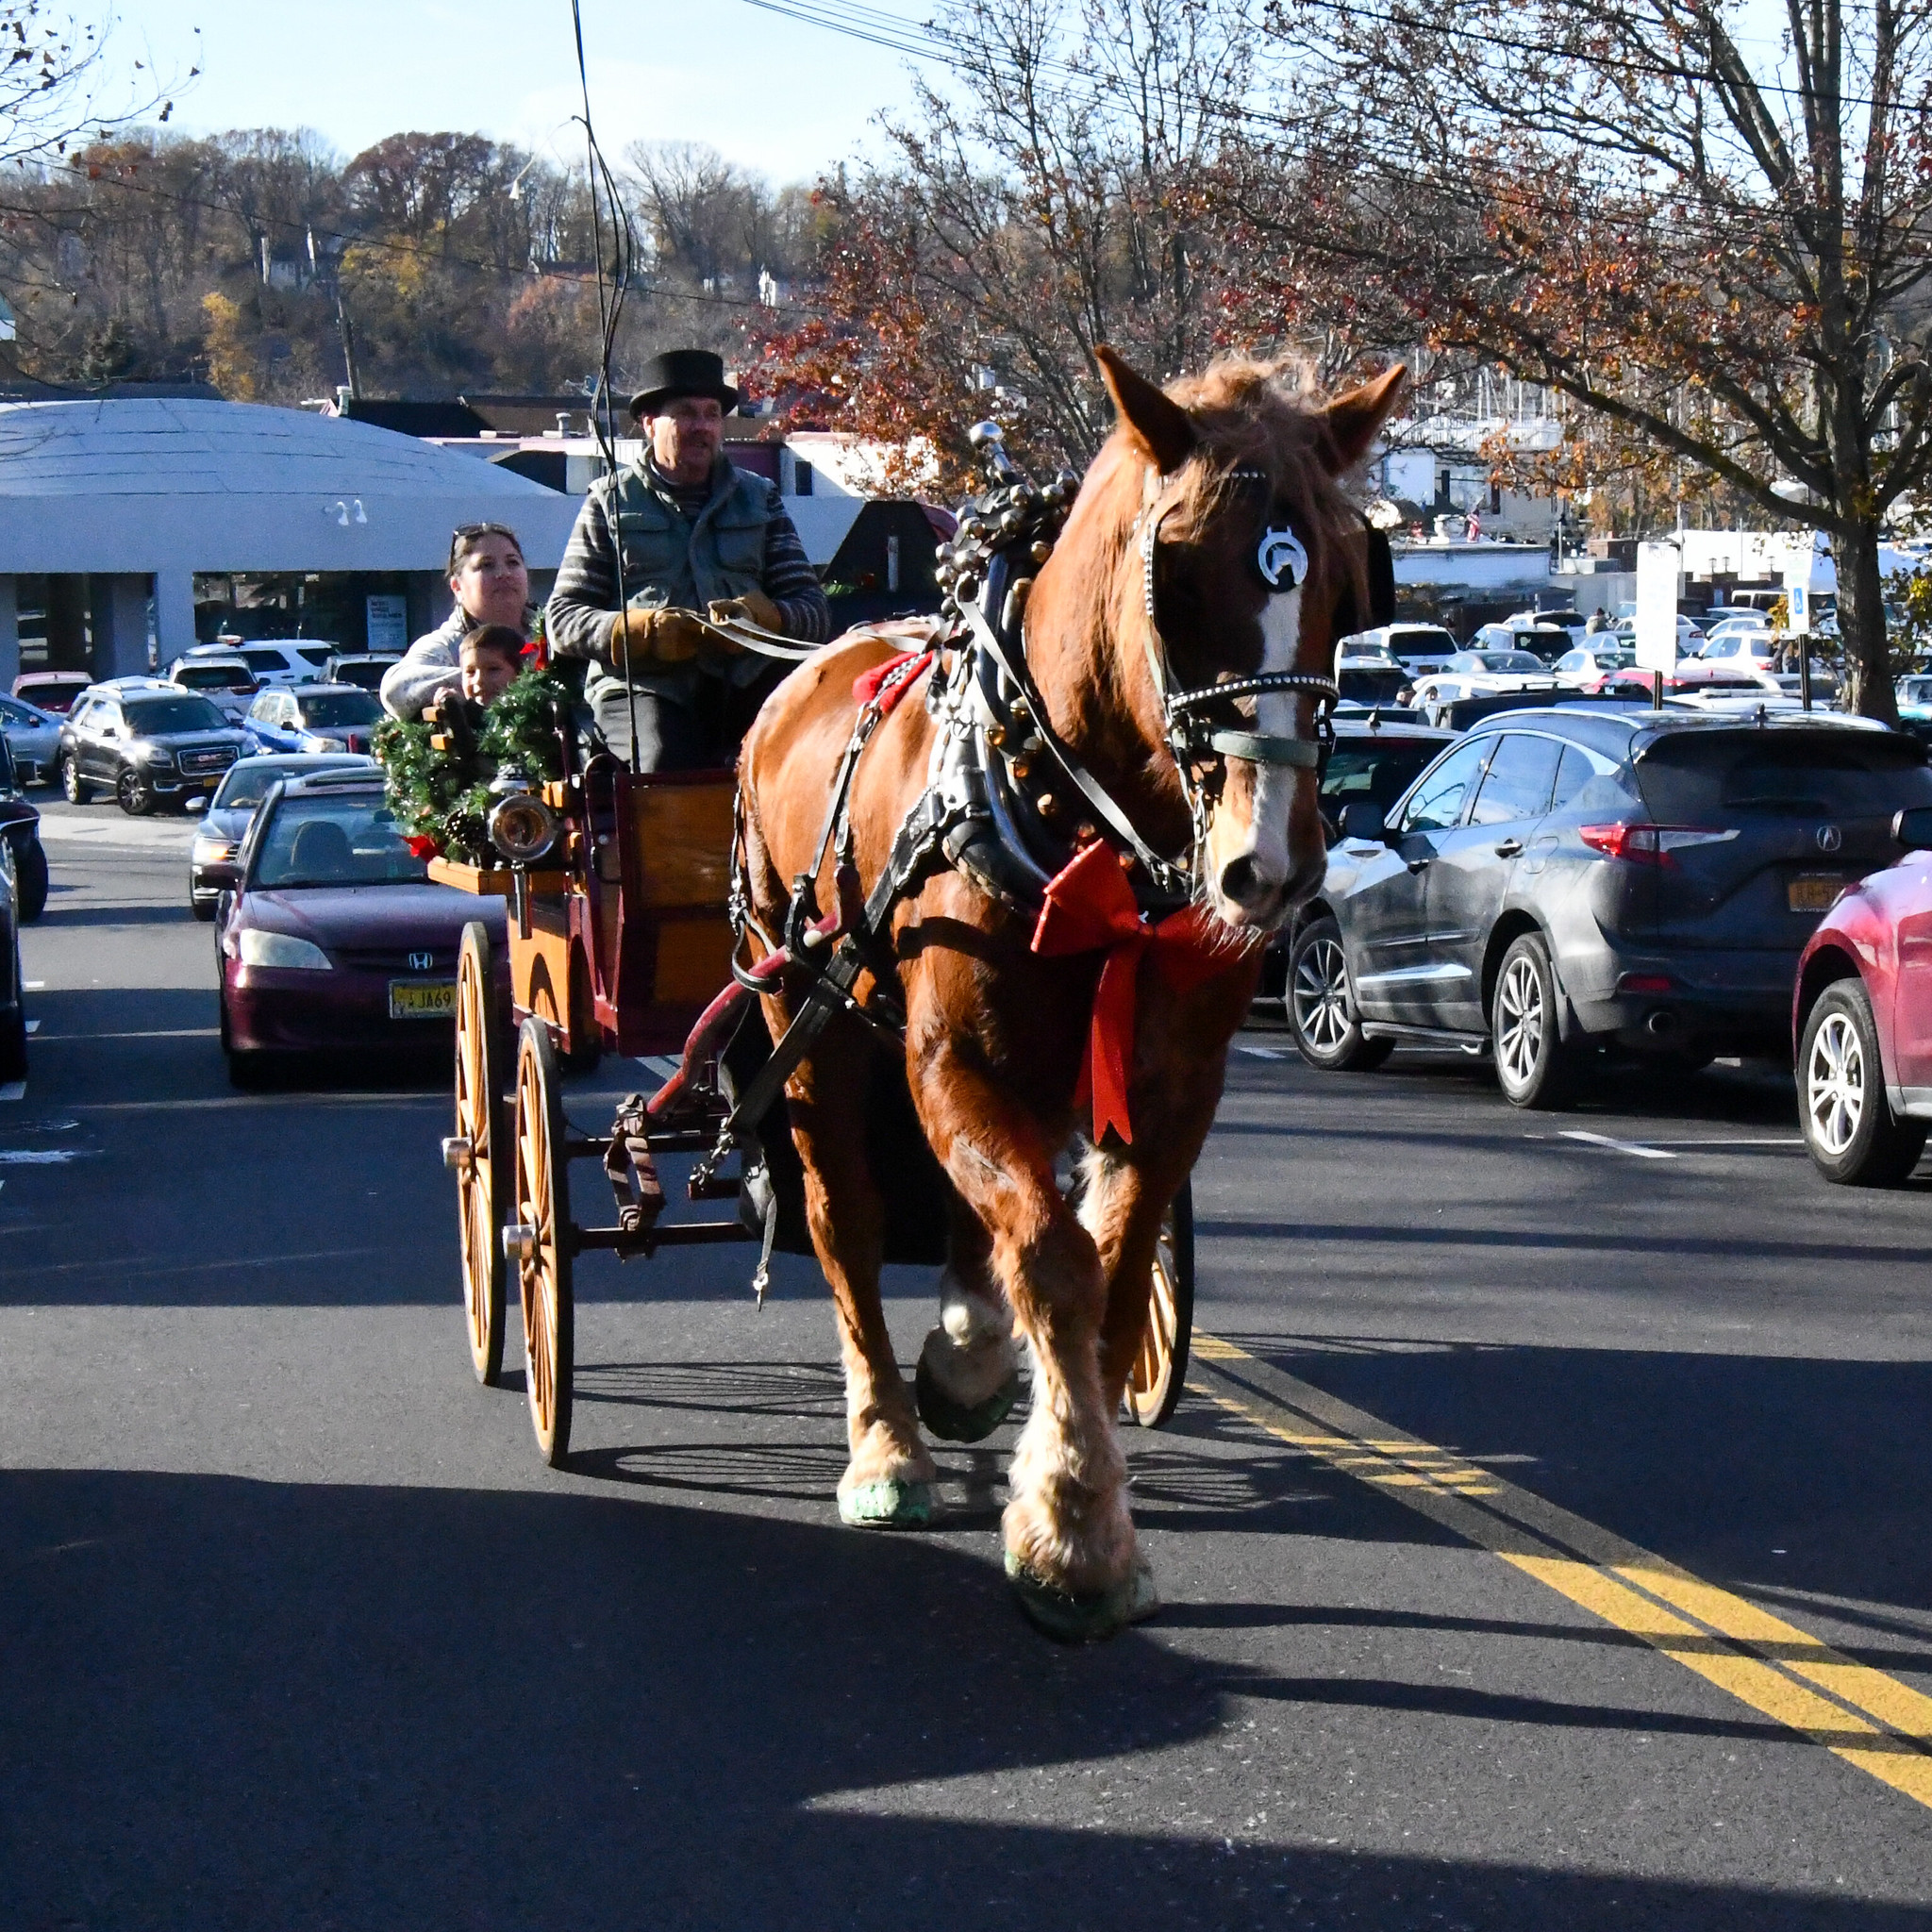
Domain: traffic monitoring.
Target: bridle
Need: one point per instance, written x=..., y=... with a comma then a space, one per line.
x=1197, y=742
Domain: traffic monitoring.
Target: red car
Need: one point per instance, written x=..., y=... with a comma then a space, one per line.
x=1861, y=1018
x=336, y=936
x=52, y=690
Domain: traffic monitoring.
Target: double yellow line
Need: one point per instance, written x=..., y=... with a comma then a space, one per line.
x=1870, y=1720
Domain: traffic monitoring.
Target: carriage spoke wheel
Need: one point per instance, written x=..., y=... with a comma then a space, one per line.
x=543, y=1236
x=1160, y=1368
x=478, y=1153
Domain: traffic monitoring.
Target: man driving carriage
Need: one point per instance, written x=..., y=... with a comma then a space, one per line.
x=704, y=542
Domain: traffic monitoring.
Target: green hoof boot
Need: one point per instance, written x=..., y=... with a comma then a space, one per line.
x=1069, y=1619
x=950, y=1420
x=888, y=1504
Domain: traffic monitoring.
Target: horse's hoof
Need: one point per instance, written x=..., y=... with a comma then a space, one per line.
x=951, y=1421
x=1070, y=1619
x=887, y=1504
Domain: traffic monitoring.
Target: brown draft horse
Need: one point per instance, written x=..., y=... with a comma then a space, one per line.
x=996, y=1032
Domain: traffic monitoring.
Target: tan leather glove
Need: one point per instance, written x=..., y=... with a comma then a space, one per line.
x=754, y=608
x=655, y=637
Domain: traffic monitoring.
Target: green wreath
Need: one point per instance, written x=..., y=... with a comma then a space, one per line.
x=440, y=793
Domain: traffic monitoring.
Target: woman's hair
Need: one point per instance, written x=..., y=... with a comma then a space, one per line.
x=498, y=638
x=468, y=537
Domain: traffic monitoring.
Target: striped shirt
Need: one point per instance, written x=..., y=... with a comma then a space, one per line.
x=583, y=604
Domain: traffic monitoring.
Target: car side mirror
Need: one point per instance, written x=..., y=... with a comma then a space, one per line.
x=1912, y=827
x=1362, y=820
x=196, y=803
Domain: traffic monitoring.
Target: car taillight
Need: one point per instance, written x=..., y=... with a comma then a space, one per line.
x=1645, y=844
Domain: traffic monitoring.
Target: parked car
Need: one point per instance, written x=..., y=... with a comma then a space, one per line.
x=283, y=661
x=363, y=667
x=1419, y=648
x=33, y=735
x=51, y=690
x=1574, y=624
x=20, y=827
x=1590, y=666
x=1372, y=761
x=1545, y=643
x=226, y=683
x=1369, y=682
x=336, y=936
x=1587, y=874
x=1482, y=674
x=317, y=717
x=1694, y=681
x=13, y=982
x=146, y=742
x=1862, y=1019
x=211, y=869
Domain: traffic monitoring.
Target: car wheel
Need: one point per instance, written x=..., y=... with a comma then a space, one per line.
x=133, y=793
x=1320, y=1013
x=30, y=870
x=1532, y=1066
x=73, y=788
x=1851, y=1132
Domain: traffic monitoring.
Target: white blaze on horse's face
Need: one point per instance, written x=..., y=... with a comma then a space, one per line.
x=1257, y=867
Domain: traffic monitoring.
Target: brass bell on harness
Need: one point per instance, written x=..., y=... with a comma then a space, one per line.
x=1041, y=551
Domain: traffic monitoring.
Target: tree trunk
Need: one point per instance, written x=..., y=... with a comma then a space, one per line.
x=1861, y=621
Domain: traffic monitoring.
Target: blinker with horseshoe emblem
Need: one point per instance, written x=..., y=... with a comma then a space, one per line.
x=1282, y=555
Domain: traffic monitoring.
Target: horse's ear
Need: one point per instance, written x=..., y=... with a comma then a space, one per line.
x=1156, y=421
x=1352, y=420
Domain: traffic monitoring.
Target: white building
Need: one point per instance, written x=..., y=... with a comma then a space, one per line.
x=139, y=496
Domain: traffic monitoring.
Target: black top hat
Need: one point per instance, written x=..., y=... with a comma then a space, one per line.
x=683, y=373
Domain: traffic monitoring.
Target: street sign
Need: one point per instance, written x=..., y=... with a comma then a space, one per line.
x=1797, y=609
x=1659, y=581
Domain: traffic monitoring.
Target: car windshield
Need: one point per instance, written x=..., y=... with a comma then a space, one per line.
x=1417, y=640
x=1705, y=778
x=340, y=708
x=1370, y=686
x=334, y=842
x=173, y=714
x=1378, y=769
x=214, y=677
x=1915, y=691
x=1510, y=660
x=265, y=662
x=368, y=676
x=249, y=783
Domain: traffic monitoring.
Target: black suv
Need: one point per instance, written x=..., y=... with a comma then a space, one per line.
x=1568, y=875
x=145, y=741
x=20, y=830
x=1373, y=757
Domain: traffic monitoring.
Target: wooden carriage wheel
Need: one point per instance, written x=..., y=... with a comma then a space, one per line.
x=542, y=1239
x=478, y=1153
x=1155, y=1382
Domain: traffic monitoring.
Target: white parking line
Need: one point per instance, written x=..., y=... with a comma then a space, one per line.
x=41, y=1157
x=1616, y=1146
x=1262, y=1052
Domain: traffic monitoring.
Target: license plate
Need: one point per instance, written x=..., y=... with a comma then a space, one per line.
x=422, y=999
x=1813, y=894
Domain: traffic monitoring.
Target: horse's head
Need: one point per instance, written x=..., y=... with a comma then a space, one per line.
x=1241, y=548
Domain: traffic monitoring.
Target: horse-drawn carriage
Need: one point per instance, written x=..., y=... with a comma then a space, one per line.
x=955, y=937
x=619, y=940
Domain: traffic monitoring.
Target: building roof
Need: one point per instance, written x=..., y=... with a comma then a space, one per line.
x=216, y=486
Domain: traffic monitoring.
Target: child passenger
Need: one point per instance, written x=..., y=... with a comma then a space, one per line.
x=490, y=656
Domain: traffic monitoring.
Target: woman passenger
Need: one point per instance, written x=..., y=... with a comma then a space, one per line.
x=488, y=579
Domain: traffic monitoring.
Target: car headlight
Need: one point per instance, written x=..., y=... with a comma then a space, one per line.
x=208, y=850
x=154, y=754
x=260, y=948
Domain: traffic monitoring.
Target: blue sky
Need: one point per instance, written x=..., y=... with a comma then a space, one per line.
x=778, y=95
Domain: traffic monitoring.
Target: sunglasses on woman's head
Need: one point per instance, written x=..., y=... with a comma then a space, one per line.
x=465, y=534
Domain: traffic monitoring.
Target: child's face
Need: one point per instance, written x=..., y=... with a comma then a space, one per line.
x=485, y=675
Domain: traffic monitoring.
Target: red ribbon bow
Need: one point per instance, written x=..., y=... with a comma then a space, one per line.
x=1091, y=906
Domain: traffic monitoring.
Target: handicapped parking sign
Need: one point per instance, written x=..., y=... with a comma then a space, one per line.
x=1798, y=604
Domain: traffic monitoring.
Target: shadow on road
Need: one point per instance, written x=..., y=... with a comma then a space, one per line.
x=235, y=1704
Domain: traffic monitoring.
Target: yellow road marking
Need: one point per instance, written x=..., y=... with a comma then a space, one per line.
x=1870, y=1720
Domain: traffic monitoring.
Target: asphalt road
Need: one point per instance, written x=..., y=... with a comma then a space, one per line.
x=1544, y=1535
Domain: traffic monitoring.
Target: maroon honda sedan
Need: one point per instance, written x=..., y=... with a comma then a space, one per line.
x=337, y=937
